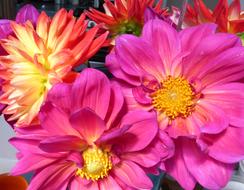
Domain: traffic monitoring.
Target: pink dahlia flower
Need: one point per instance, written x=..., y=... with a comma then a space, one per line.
x=82, y=142
x=190, y=79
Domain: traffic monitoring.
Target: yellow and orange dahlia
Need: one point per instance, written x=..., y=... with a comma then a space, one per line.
x=41, y=57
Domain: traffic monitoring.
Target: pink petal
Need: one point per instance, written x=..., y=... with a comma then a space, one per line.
x=91, y=89
x=138, y=62
x=227, y=146
x=5, y=28
x=109, y=183
x=141, y=95
x=115, y=105
x=32, y=162
x=130, y=100
x=137, y=138
x=132, y=175
x=177, y=168
x=55, y=176
x=27, y=12
x=55, y=120
x=113, y=65
x=199, y=62
x=90, y=125
x=210, y=118
x=60, y=95
x=230, y=98
x=62, y=144
x=164, y=39
x=210, y=173
x=198, y=33
x=79, y=183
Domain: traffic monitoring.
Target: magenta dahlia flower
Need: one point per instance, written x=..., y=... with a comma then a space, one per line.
x=82, y=142
x=191, y=80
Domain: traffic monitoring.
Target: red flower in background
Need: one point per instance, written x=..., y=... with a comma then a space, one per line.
x=125, y=16
x=228, y=18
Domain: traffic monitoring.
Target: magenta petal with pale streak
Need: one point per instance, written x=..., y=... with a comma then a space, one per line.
x=27, y=12
x=109, y=183
x=91, y=89
x=60, y=95
x=230, y=98
x=55, y=120
x=113, y=65
x=210, y=118
x=210, y=173
x=5, y=28
x=164, y=39
x=132, y=175
x=141, y=95
x=130, y=51
x=32, y=162
x=62, y=144
x=198, y=33
x=176, y=167
x=113, y=134
x=115, y=105
x=88, y=123
x=143, y=130
x=56, y=176
x=228, y=146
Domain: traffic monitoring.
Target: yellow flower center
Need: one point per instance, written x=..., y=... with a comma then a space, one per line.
x=97, y=164
x=175, y=98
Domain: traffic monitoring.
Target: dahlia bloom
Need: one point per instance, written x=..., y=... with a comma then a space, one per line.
x=82, y=142
x=228, y=18
x=125, y=16
x=193, y=86
x=39, y=58
x=27, y=12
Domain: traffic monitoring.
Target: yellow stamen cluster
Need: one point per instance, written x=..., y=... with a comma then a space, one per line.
x=175, y=98
x=97, y=164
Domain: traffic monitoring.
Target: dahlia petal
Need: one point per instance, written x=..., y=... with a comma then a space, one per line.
x=62, y=144
x=80, y=183
x=132, y=175
x=109, y=183
x=130, y=46
x=200, y=60
x=115, y=105
x=234, y=10
x=91, y=89
x=29, y=163
x=208, y=172
x=55, y=120
x=226, y=147
x=60, y=95
x=177, y=168
x=5, y=28
x=136, y=137
x=141, y=95
x=210, y=118
x=112, y=63
x=56, y=176
x=230, y=98
x=165, y=41
x=198, y=33
x=27, y=12
x=90, y=125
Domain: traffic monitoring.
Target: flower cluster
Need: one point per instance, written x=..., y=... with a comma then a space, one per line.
x=175, y=102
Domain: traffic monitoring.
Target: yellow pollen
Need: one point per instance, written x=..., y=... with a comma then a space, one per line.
x=97, y=164
x=175, y=98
